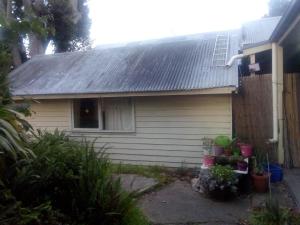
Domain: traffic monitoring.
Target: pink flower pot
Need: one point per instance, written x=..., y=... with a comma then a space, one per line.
x=218, y=150
x=239, y=144
x=246, y=150
x=208, y=160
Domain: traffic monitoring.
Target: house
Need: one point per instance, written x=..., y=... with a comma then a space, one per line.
x=152, y=102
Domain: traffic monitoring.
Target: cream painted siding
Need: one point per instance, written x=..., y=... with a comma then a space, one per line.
x=51, y=114
x=168, y=129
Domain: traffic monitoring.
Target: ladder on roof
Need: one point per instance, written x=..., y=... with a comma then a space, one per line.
x=221, y=50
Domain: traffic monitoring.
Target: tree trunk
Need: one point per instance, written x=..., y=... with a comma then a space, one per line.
x=2, y=7
x=76, y=14
x=8, y=9
x=36, y=45
x=17, y=59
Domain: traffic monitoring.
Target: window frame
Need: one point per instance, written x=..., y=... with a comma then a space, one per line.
x=100, y=119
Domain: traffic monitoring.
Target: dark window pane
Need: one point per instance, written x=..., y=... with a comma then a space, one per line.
x=86, y=113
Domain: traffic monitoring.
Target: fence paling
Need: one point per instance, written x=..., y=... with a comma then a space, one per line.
x=252, y=110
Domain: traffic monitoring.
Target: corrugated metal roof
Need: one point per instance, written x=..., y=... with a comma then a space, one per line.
x=288, y=17
x=173, y=64
x=258, y=31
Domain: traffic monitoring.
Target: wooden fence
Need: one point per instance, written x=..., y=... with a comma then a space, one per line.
x=252, y=115
x=252, y=112
x=291, y=112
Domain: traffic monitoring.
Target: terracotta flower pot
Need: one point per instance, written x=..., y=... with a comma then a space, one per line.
x=260, y=182
x=246, y=150
x=208, y=160
x=218, y=150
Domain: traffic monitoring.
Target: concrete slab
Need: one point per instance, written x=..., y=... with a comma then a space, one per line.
x=133, y=182
x=292, y=178
x=178, y=204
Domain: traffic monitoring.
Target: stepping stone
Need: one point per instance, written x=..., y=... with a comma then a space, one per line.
x=136, y=183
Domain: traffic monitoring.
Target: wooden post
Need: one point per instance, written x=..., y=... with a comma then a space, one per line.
x=252, y=61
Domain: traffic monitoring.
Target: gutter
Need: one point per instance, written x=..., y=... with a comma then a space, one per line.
x=233, y=58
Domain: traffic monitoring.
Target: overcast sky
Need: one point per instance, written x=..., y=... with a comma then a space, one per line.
x=117, y=21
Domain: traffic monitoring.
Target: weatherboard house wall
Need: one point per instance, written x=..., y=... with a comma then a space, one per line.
x=168, y=129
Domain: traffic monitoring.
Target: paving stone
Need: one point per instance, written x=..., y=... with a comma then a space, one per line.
x=137, y=183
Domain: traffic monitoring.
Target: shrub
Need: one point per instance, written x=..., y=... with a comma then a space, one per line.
x=219, y=183
x=76, y=181
x=223, y=173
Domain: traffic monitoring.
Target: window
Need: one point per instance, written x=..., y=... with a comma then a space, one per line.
x=108, y=114
x=116, y=114
x=86, y=113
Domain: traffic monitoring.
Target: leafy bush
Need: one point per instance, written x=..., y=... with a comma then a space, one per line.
x=13, y=212
x=76, y=182
x=223, y=173
x=219, y=183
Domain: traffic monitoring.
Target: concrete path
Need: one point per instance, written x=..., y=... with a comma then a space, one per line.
x=178, y=204
x=292, y=178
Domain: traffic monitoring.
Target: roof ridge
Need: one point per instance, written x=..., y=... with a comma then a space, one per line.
x=173, y=39
x=263, y=18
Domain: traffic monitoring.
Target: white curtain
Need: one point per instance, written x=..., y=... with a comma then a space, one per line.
x=117, y=114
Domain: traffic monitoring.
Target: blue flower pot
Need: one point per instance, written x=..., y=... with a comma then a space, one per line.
x=276, y=172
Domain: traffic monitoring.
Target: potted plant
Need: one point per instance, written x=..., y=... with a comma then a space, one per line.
x=242, y=165
x=222, y=144
x=219, y=183
x=233, y=161
x=236, y=151
x=208, y=158
x=260, y=178
x=222, y=160
x=246, y=150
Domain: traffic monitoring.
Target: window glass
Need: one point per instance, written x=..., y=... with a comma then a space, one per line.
x=85, y=113
x=117, y=114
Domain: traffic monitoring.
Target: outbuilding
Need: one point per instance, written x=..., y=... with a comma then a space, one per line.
x=150, y=102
